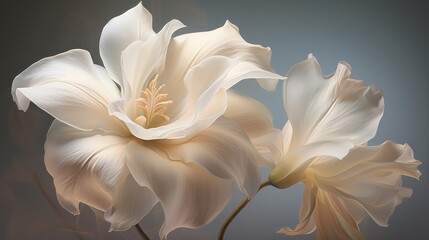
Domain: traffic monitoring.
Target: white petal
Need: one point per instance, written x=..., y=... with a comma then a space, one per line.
x=327, y=214
x=225, y=151
x=336, y=108
x=201, y=107
x=131, y=203
x=333, y=220
x=70, y=88
x=367, y=180
x=190, y=196
x=256, y=120
x=294, y=164
x=142, y=60
x=85, y=166
x=135, y=24
x=189, y=50
x=306, y=222
x=370, y=177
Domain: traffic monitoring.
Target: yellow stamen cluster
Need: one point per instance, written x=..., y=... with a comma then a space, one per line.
x=151, y=103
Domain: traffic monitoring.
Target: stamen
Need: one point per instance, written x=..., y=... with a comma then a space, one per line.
x=151, y=104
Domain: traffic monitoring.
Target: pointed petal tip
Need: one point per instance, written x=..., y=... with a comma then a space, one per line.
x=230, y=24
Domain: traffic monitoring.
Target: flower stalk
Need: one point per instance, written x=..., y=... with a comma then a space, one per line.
x=142, y=234
x=237, y=210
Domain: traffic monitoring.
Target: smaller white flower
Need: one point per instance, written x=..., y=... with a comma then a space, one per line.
x=331, y=119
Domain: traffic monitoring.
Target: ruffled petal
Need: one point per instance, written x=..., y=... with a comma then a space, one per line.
x=85, y=166
x=131, y=203
x=370, y=177
x=366, y=181
x=306, y=223
x=197, y=110
x=256, y=120
x=333, y=220
x=70, y=88
x=225, y=151
x=90, y=167
x=190, y=196
x=291, y=169
x=142, y=60
x=189, y=50
x=336, y=108
x=135, y=24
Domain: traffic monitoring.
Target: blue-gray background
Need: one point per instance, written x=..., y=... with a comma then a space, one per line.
x=385, y=42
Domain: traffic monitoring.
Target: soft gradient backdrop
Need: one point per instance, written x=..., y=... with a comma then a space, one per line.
x=385, y=42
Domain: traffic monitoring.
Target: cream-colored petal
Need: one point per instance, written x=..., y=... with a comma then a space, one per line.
x=370, y=177
x=143, y=60
x=131, y=203
x=306, y=223
x=204, y=83
x=366, y=181
x=190, y=196
x=133, y=25
x=291, y=169
x=256, y=120
x=85, y=166
x=334, y=108
x=225, y=150
x=251, y=115
x=189, y=50
x=325, y=213
x=70, y=88
x=197, y=110
x=287, y=136
x=333, y=220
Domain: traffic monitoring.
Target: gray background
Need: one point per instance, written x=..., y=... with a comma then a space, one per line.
x=386, y=43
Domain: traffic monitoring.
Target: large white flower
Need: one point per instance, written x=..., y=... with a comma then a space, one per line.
x=158, y=137
x=324, y=146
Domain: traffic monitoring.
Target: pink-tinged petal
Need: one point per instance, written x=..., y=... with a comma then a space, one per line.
x=133, y=25
x=190, y=196
x=142, y=60
x=224, y=150
x=256, y=120
x=72, y=89
x=334, y=108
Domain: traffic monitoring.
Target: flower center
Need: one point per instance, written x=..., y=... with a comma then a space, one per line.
x=152, y=105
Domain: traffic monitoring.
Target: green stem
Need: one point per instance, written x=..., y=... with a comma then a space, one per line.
x=141, y=232
x=237, y=210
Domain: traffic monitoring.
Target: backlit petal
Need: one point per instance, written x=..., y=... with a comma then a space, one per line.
x=366, y=181
x=142, y=60
x=256, y=120
x=85, y=166
x=70, y=88
x=189, y=50
x=190, y=196
x=334, y=108
x=225, y=150
x=135, y=24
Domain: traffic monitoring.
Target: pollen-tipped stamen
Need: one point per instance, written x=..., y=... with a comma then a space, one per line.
x=151, y=103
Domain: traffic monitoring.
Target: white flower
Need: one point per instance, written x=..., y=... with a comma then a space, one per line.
x=160, y=136
x=324, y=146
